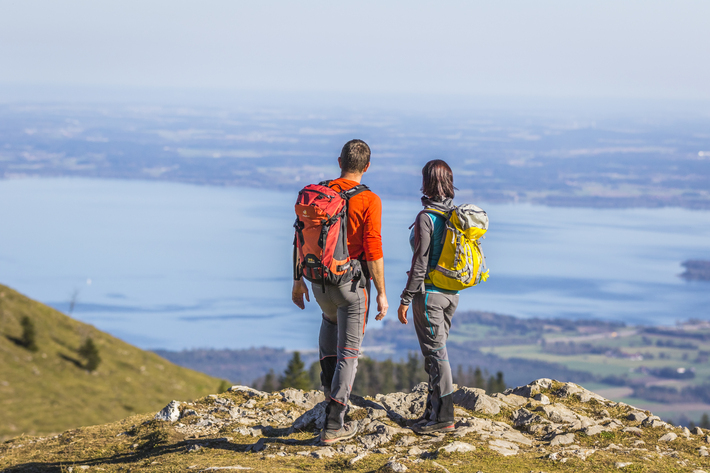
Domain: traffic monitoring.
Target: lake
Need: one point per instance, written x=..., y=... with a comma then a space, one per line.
x=174, y=266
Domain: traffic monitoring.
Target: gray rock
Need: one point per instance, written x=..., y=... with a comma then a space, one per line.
x=306, y=400
x=523, y=417
x=511, y=399
x=406, y=441
x=568, y=389
x=415, y=451
x=562, y=439
x=314, y=416
x=622, y=464
x=669, y=437
x=585, y=396
x=326, y=452
x=395, y=466
x=697, y=431
x=169, y=413
x=542, y=399
x=357, y=458
x=515, y=436
x=633, y=430
x=685, y=432
x=594, y=430
x=461, y=447
x=503, y=447
x=248, y=391
x=558, y=413
x=402, y=406
x=636, y=416
x=527, y=391
x=476, y=400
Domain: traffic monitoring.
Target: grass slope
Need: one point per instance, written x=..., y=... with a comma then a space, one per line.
x=48, y=391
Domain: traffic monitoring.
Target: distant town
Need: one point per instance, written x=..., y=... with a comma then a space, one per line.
x=546, y=159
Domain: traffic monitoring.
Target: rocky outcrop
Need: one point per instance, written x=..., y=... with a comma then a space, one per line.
x=546, y=418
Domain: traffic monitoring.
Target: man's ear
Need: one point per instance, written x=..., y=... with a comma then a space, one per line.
x=366, y=168
x=340, y=163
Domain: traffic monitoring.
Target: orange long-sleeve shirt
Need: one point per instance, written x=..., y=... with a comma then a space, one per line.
x=364, y=222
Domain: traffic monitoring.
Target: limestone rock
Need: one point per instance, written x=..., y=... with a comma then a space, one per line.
x=523, y=417
x=512, y=400
x=315, y=416
x=633, y=430
x=568, y=389
x=476, y=400
x=402, y=406
x=461, y=447
x=357, y=458
x=395, y=466
x=562, y=439
x=415, y=451
x=558, y=413
x=542, y=399
x=326, y=452
x=669, y=437
x=697, y=431
x=594, y=430
x=622, y=464
x=307, y=399
x=503, y=447
x=636, y=416
x=169, y=413
x=248, y=391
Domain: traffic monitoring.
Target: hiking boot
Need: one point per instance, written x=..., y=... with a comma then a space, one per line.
x=417, y=422
x=434, y=427
x=348, y=431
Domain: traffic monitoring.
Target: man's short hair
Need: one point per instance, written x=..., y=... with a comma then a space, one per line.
x=355, y=156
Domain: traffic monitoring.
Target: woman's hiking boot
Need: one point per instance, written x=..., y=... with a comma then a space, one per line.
x=434, y=427
x=347, y=431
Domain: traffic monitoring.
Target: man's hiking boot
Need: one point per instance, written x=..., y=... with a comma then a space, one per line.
x=417, y=422
x=434, y=427
x=348, y=431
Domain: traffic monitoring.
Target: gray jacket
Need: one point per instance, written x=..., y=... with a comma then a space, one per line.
x=422, y=246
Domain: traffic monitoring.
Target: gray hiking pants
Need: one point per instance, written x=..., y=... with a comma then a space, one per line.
x=432, y=314
x=342, y=329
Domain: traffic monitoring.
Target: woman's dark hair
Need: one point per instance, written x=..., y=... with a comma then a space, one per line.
x=437, y=179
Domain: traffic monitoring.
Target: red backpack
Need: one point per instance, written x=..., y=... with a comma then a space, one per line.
x=320, y=245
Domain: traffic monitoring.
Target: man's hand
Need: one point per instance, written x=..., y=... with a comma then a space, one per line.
x=382, y=306
x=402, y=313
x=299, y=290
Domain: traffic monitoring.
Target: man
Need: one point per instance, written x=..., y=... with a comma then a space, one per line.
x=345, y=308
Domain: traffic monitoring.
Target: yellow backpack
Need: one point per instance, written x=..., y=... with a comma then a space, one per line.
x=462, y=263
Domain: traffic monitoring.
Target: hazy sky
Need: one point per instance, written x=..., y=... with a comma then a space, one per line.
x=566, y=48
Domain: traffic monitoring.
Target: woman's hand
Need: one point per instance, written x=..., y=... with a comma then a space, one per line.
x=402, y=313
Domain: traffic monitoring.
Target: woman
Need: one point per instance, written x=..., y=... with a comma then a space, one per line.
x=432, y=307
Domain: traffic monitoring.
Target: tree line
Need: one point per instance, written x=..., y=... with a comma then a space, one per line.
x=377, y=377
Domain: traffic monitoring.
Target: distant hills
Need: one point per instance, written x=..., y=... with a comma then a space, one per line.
x=696, y=270
x=49, y=390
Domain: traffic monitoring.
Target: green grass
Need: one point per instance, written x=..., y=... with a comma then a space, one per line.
x=48, y=391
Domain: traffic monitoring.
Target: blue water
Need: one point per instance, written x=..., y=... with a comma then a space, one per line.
x=176, y=266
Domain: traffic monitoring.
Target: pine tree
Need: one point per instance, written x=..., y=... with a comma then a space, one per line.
x=29, y=334
x=295, y=375
x=704, y=421
x=90, y=353
x=269, y=384
x=478, y=380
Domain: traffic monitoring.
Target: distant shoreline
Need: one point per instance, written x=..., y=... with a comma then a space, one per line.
x=602, y=203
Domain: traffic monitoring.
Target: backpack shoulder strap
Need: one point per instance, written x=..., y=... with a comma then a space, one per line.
x=348, y=194
x=325, y=183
